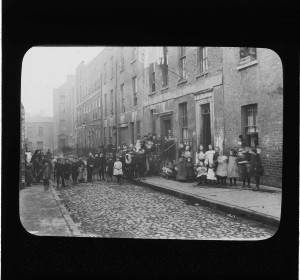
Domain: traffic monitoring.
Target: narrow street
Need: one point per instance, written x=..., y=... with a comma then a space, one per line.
x=113, y=210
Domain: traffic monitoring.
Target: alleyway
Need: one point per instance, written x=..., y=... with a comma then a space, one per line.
x=112, y=210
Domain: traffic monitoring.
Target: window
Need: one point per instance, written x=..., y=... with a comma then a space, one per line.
x=152, y=77
x=202, y=59
x=153, y=120
x=110, y=134
x=112, y=68
x=133, y=54
x=104, y=133
x=62, y=126
x=182, y=63
x=99, y=107
x=183, y=121
x=122, y=98
x=138, y=127
x=39, y=145
x=40, y=131
x=104, y=78
x=61, y=107
x=247, y=54
x=134, y=88
x=122, y=58
x=249, y=114
x=29, y=131
x=112, y=102
x=165, y=74
x=105, y=105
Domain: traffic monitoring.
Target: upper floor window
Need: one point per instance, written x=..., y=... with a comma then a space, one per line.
x=164, y=67
x=112, y=68
x=250, y=129
x=202, y=59
x=122, y=58
x=62, y=126
x=40, y=131
x=122, y=98
x=134, y=89
x=112, y=102
x=39, y=145
x=152, y=77
x=133, y=54
x=61, y=107
x=104, y=77
x=29, y=131
x=183, y=121
x=247, y=54
x=182, y=63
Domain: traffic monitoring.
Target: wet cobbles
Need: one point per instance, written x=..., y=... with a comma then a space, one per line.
x=129, y=211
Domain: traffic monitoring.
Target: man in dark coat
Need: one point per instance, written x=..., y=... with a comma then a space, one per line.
x=59, y=168
x=102, y=165
x=90, y=167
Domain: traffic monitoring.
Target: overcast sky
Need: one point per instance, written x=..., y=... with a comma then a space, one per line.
x=45, y=68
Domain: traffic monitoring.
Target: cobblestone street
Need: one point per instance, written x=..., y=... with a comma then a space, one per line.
x=112, y=210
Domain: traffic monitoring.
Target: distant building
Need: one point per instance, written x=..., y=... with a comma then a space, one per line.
x=39, y=133
x=63, y=115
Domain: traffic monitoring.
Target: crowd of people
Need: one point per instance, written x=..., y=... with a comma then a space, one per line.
x=145, y=158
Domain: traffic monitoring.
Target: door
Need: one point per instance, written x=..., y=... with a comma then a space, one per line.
x=123, y=134
x=206, y=128
x=166, y=125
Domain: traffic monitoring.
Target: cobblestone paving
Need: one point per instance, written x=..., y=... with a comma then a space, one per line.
x=113, y=210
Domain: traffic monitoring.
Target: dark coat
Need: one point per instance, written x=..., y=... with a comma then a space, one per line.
x=59, y=167
x=182, y=172
x=97, y=162
x=90, y=161
x=110, y=167
x=75, y=167
x=190, y=169
x=102, y=163
x=256, y=168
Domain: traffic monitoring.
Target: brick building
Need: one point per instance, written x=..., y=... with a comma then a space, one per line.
x=64, y=114
x=201, y=95
x=39, y=133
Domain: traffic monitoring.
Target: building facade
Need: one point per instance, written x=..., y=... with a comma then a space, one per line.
x=64, y=115
x=39, y=133
x=200, y=95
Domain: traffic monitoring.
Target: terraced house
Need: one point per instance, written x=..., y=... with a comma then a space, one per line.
x=200, y=95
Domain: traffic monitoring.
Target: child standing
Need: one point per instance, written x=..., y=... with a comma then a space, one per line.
x=81, y=174
x=190, y=170
x=211, y=177
x=257, y=169
x=221, y=171
x=118, y=172
x=200, y=155
x=242, y=166
x=232, y=170
x=201, y=173
x=109, y=169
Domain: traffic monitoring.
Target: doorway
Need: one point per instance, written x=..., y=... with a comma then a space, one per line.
x=206, y=126
x=166, y=125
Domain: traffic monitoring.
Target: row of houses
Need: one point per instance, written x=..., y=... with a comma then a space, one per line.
x=201, y=95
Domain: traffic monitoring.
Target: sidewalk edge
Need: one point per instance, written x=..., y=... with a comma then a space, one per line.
x=216, y=205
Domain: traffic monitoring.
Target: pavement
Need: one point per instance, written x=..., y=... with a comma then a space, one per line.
x=43, y=214
x=124, y=210
x=263, y=206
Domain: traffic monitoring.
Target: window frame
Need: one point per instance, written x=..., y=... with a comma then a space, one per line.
x=202, y=60
x=134, y=89
x=182, y=64
x=183, y=121
x=123, y=108
x=112, y=102
x=40, y=131
x=165, y=69
x=254, y=125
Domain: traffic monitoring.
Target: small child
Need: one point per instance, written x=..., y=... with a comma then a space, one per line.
x=233, y=171
x=109, y=169
x=189, y=170
x=211, y=177
x=118, y=172
x=201, y=173
x=81, y=174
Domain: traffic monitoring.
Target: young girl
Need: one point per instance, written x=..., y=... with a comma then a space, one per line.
x=190, y=170
x=200, y=155
x=222, y=168
x=232, y=170
x=109, y=169
x=118, y=172
x=201, y=173
x=211, y=177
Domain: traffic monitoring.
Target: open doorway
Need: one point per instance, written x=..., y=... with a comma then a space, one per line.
x=206, y=125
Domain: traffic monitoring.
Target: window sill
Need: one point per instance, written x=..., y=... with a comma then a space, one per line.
x=164, y=89
x=151, y=93
x=247, y=64
x=183, y=81
x=201, y=74
x=122, y=69
x=133, y=61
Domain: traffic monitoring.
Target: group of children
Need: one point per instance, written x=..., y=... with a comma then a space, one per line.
x=214, y=167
